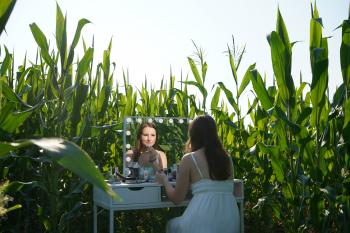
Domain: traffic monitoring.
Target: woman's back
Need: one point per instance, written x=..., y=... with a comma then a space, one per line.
x=199, y=168
x=212, y=208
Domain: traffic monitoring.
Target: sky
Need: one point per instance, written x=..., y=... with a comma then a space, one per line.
x=152, y=37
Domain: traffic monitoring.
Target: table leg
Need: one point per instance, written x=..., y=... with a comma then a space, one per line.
x=111, y=221
x=242, y=216
x=95, y=218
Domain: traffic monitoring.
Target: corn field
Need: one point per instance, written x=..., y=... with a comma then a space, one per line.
x=61, y=115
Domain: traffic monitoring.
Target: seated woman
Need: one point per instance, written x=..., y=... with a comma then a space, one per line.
x=208, y=170
x=144, y=153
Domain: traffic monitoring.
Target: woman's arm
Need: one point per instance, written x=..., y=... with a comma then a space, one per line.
x=177, y=194
x=163, y=160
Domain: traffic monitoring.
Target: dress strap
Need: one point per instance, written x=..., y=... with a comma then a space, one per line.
x=195, y=163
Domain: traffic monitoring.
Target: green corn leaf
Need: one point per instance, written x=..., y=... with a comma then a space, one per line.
x=315, y=30
x=6, y=7
x=204, y=70
x=281, y=115
x=199, y=86
x=5, y=149
x=195, y=71
x=84, y=64
x=346, y=125
x=299, y=92
x=319, y=79
x=281, y=30
x=80, y=97
x=304, y=115
x=281, y=132
x=245, y=80
x=345, y=53
x=69, y=156
x=15, y=119
x=22, y=79
x=287, y=191
x=276, y=160
x=216, y=98
x=232, y=65
x=260, y=89
x=103, y=99
x=106, y=61
x=229, y=97
x=51, y=84
x=6, y=63
x=281, y=62
x=41, y=40
x=61, y=34
x=80, y=26
x=9, y=93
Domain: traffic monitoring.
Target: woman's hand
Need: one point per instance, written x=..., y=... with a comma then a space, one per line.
x=161, y=178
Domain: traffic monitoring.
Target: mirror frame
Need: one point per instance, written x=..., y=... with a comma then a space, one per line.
x=141, y=119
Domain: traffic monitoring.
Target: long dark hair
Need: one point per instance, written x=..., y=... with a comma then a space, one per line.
x=203, y=134
x=138, y=145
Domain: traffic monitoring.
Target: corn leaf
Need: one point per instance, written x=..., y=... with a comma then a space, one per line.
x=41, y=40
x=15, y=119
x=61, y=34
x=319, y=80
x=215, y=99
x=229, y=97
x=195, y=71
x=281, y=66
x=6, y=63
x=346, y=125
x=345, y=53
x=245, y=80
x=84, y=64
x=6, y=7
x=276, y=160
x=281, y=30
x=260, y=89
x=81, y=24
x=69, y=156
x=232, y=65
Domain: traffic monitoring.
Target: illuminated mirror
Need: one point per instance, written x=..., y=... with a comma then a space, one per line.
x=171, y=135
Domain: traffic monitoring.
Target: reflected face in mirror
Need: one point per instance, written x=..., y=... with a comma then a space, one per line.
x=166, y=135
x=148, y=136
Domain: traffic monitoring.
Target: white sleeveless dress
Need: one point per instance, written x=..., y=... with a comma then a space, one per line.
x=213, y=208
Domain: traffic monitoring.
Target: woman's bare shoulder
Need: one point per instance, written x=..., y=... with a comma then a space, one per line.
x=162, y=153
x=186, y=157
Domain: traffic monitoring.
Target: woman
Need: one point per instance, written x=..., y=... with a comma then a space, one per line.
x=207, y=169
x=144, y=153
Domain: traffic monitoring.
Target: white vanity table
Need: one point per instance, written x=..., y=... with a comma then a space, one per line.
x=146, y=196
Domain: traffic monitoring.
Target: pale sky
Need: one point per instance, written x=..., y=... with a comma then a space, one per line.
x=150, y=36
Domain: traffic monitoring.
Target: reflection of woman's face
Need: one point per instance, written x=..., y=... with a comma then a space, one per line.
x=148, y=136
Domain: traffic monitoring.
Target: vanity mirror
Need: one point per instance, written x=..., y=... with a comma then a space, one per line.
x=171, y=135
